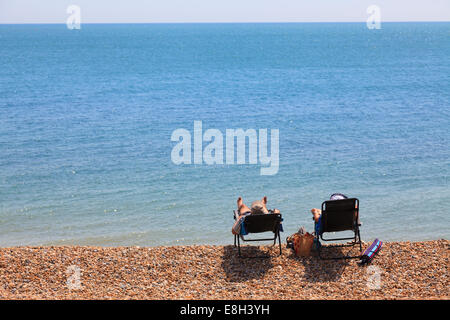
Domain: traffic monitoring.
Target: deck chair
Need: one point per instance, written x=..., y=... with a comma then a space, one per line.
x=258, y=223
x=339, y=215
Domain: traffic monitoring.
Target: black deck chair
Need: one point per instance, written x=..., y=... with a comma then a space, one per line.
x=340, y=215
x=258, y=223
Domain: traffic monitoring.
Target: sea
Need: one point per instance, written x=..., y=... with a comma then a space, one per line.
x=88, y=116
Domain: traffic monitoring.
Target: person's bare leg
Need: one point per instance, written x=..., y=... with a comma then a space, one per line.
x=242, y=208
x=264, y=201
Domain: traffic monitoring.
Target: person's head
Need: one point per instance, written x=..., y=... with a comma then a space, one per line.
x=338, y=196
x=259, y=206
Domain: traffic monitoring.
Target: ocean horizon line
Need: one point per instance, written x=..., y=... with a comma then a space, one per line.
x=223, y=22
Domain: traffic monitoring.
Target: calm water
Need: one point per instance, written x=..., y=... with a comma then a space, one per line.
x=86, y=118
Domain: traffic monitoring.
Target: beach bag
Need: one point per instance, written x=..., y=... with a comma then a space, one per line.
x=303, y=244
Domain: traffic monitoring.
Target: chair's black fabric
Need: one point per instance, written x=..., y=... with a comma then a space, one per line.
x=339, y=215
x=256, y=223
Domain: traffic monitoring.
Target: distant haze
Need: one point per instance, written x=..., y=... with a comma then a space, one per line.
x=145, y=11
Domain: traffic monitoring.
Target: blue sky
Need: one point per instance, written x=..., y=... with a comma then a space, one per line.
x=148, y=11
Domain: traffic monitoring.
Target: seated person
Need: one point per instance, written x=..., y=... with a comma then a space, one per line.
x=257, y=207
x=317, y=212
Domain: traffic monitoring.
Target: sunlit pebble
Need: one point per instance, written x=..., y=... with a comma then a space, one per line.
x=143, y=273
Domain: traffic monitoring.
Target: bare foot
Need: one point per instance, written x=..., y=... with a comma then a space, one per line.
x=239, y=202
x=316, y=214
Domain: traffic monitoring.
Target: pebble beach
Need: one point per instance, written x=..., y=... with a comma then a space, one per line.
x=401, y=270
